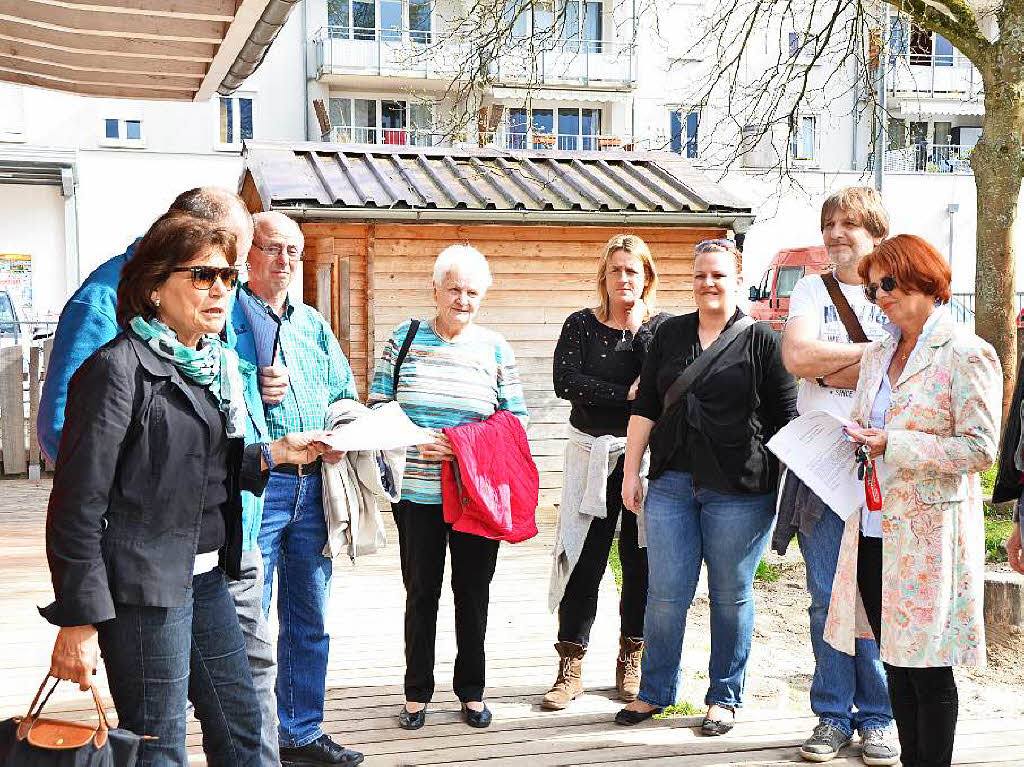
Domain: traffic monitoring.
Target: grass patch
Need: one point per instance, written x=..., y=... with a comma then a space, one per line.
x=767, y=572
x=616, y=564
x=988, y=481
x=680, y=709
x=998, y=526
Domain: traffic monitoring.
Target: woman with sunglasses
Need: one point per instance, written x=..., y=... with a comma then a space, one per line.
x=928, y=406
x=713, y=390
x=596, y=367
x=144, y=520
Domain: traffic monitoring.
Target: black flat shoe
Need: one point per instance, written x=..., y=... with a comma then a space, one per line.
x=476, y=718
x=321, y=751
x=628, y=718
x=713, y=727
x=409, y=720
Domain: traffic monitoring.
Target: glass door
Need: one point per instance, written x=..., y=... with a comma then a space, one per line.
x=392, y=122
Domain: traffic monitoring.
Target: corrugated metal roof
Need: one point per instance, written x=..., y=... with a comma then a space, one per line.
x=394, y=178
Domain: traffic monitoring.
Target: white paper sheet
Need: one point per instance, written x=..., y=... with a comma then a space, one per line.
x=384, y=428
x=815, y=448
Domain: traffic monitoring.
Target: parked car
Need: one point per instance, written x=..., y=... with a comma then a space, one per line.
x=769, y=299
x=15, y=328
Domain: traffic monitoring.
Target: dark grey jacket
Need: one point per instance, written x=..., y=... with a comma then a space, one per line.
x=1008, y=476
x=129, y=485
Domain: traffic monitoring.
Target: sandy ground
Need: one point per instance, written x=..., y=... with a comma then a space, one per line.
x=782, y=664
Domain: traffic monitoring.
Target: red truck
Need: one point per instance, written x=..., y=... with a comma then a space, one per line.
x=769, y=299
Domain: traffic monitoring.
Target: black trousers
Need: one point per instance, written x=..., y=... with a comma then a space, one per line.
x=924, y=700
x=578, y=608
x=423, y=537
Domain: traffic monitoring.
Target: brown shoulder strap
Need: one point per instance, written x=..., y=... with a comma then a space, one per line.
x=850, y=321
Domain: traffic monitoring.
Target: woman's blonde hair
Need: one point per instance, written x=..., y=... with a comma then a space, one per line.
x=637, y=248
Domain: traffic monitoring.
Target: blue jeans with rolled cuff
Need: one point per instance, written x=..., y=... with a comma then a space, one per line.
x=686, y=525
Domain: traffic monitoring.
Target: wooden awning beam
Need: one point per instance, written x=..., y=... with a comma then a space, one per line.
x=92, y=77
x=100, y=62
x=117, y=25
x=75, y=42
x=121, y=92
x=201, y=10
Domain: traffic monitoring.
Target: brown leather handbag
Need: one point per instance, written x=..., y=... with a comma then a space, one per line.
x=37, y=741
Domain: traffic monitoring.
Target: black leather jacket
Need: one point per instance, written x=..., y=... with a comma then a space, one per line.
x=1008, y=484
x=128, y=488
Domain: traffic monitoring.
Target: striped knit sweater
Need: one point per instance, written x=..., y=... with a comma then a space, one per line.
x=446, y=383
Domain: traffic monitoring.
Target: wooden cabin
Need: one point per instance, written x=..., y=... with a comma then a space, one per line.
x=375, y=218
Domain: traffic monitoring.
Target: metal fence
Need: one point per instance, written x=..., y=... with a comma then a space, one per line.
x=962, y=306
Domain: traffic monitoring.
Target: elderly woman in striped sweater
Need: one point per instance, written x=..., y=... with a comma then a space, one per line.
x=452, y=372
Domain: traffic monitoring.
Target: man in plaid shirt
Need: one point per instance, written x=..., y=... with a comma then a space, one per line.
x=302, y=371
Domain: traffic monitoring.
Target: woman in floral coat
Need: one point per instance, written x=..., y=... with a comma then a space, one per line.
x=928, y=399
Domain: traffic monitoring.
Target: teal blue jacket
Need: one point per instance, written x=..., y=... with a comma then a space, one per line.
x=240, y=338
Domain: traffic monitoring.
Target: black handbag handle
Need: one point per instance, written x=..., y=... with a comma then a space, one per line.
x=414, y=326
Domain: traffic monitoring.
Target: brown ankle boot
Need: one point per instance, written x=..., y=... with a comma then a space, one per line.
x=627, y=668
x=569, y=684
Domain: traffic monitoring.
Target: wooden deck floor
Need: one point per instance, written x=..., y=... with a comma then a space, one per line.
x=365, y=671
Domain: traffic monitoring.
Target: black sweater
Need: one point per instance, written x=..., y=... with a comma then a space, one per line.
x=718, y=429
x=594, y=376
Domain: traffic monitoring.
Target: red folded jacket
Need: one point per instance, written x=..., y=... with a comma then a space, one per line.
x=492, y=487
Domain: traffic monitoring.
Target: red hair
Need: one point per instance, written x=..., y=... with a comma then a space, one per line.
x=913, y=262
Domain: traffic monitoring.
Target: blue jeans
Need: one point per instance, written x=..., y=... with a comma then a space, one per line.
x=841, y=683
x=159, y=657
x=292, y=539
x=686, y=525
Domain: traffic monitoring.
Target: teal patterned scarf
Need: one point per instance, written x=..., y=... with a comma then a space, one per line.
x=212, y=365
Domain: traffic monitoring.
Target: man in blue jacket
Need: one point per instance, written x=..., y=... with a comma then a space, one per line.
x=87, y=322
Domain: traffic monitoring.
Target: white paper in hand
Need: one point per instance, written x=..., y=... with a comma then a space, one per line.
x=384, y=428
x=816, y=449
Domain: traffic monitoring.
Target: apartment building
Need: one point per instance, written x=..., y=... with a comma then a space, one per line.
x=609, y=78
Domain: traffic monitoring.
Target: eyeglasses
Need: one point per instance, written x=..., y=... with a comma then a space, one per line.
x=203, y=277
x=888, y=284
x=713, y=246
x=294, y=252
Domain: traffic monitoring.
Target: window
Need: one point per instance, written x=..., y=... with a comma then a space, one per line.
x=683, y=131
x=804, y=138
x=392, y=19
x=582, y=25
x=235, y=124
x=356, y=121
x=578, y=128
x=8, y=322
x=122, y=132
x=794, y=44
x=12, y=112
x=787, y=279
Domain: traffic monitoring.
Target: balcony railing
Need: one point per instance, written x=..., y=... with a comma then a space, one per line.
x=579, y=62
x=566, y=142
x=934, y=74
x=350, y=134
x=928, y=158
x=386, y=51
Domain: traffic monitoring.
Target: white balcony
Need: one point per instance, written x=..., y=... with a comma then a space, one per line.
x=941, y=75
x=351, y=134
x=375, y=52
x=591, y=63
x=568, y=142
x=929, y=158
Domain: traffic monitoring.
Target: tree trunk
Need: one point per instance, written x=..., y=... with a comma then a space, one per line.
x=998, y=163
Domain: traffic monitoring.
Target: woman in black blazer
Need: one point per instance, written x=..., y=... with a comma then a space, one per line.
x=144, y=519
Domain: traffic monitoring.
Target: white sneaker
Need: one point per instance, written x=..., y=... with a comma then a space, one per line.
x=824, y=744
x=879, y=746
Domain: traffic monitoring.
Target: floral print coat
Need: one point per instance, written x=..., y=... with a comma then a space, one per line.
x=942, y=429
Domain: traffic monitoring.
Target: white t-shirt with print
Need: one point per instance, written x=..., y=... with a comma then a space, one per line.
x=810, y=299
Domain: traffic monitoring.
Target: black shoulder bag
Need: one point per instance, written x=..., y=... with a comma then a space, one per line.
x=700, y=365
x=414, y=326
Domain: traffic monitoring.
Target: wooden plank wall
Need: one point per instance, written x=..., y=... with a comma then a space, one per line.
x=541, y=275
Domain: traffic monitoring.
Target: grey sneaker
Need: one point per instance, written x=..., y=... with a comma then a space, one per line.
x=824, y=743
x=879, y=746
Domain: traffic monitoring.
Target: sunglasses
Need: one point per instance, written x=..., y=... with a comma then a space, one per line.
x=713, y=246
x=888, y=284
x=203, y=277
